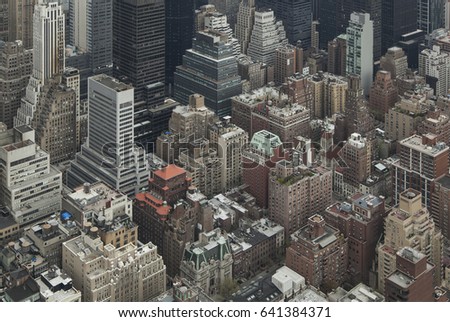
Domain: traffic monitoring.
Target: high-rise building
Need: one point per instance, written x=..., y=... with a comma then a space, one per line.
x=361, y=221
x=383, y=95
x=207, y=17
x=286, y=63
x=264, y=151
x=447, y=15
x=110, y=154
x=229, y=140
x=270, y=109
x=254, y=74
x=55, y=121
x=229, y=8
x=333, y=19
x=441, y=205
x=179, y=20
x=357, y=116
x=430, y=15
x=104, y=273
x=91, y=30
x=245, y=22
x=394, y=61
x=357, y=156
x=15, y=70
x=296, y=193
x=210, y=69
x=409, y=225
x=20, y=21
x=337, y=55
x=139, y=56
x=30, y=186
x=438, y=123
x=268, y=34
x=434, y=65
x=360, y=48
x=296, y=16
x=412, y=280
x=4, y=17
x=423, y=160
x=399, y=17
x=374, y=9
x=319, y=253
x=170, y=228
x=405, y=117
x=48, y=55
x=329, y=94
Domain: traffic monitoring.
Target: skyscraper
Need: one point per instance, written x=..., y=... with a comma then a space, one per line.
x=268, y=34
x=333, y=18
x=383, y=95
x=423, y=160
x=139, y=56
x=245, y=22
x=15, y=70
x=434, y=65
x=48, y=55
x=4, y=17
x=209, y=69
x=373, y=8
x=409, y=224
x=399, y=17
x=20, y=21
x=227, y=7
x=91, y=31
x=179, y=33
x=207, y=17
x=109, y=154
x=296, y=16
x=360, y=48
x=430, y=15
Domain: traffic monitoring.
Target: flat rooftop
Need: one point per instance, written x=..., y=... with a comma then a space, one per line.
x=112, y=83
x=445, y=181
x=415, y=143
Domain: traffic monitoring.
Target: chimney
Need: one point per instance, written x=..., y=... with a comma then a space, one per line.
x=87, y=187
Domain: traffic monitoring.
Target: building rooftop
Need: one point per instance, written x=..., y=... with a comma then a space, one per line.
x=362, y=293
x=23, y=292
x=169, y=172
x=310, y=294
x=112, y=83
x=6, y=219
x=415, y=143
x=94, y=197
x=445, y=181
x=411, y=254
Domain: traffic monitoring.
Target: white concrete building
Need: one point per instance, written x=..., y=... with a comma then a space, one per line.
x=360, y=48
x=29, y=186
x=268, y=34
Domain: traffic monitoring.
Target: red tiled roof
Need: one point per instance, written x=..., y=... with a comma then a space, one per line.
x=169, y=172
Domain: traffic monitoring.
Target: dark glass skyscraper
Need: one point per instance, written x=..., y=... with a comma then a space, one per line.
x=139, y=56
x=296, y=16
x=139, y=43
x=399, y=18
x=372, y=7
x=209, y=69
x=333, y=17
x=179, y=33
